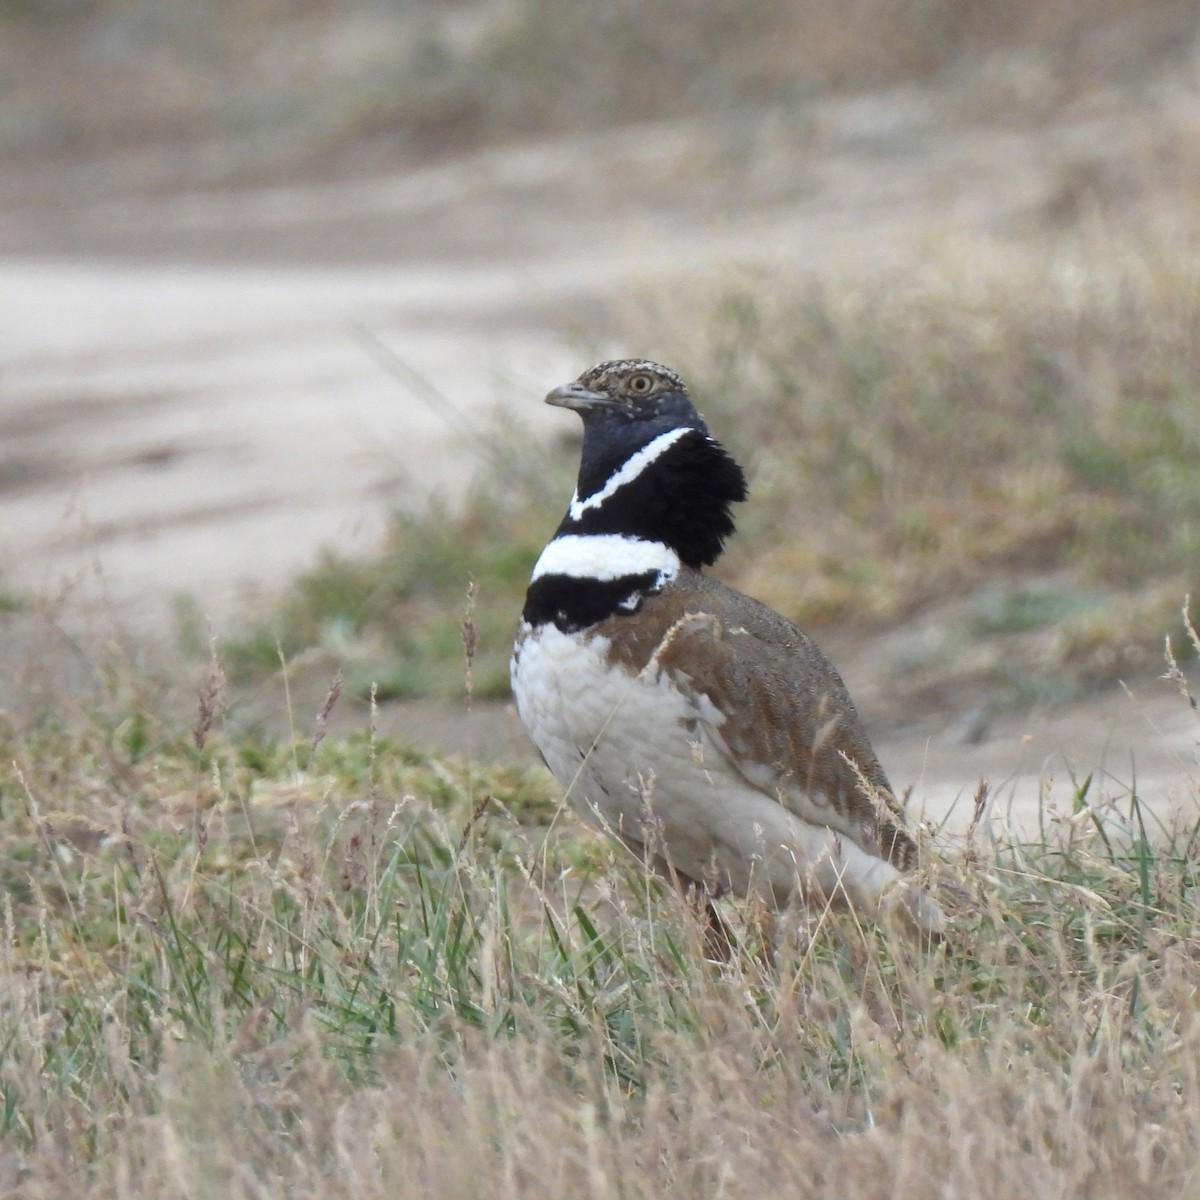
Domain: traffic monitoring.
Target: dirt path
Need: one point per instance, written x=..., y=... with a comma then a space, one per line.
x=189, y=399
x=191, y=393
x=202, y=430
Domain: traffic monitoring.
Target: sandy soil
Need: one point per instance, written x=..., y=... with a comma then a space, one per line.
x=198, y=390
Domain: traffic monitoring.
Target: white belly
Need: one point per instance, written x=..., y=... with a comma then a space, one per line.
x=643, y=760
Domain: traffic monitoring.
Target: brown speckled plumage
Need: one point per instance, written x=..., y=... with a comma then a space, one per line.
x=785, y=706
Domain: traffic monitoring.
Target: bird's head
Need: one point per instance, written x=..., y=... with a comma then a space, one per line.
x=632, y=397
x=649, y=467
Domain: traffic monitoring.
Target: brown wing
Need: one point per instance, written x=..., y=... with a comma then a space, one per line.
x=780, y=714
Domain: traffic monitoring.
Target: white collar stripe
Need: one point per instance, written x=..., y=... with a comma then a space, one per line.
x=628, y=471
x=604, y=557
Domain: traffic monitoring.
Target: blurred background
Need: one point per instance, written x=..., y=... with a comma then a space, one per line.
x=282, y=286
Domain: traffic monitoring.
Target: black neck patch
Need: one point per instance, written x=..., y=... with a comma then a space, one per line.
x=679, y=496
x=682, y=498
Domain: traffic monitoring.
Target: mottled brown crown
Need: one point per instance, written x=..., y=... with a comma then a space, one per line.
x=632, y=380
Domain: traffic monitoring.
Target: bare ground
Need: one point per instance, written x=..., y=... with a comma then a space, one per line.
x=193, y=400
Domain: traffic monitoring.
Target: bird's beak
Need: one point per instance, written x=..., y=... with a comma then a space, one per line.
x=577, y=398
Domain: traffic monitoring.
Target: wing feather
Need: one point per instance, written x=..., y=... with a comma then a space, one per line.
x=782, y=717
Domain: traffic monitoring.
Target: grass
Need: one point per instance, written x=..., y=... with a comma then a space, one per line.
x=1032, y=420
x=1007, y=464
x=324, y=966
x=920, y=440
x=281, y=84
x=395, y=618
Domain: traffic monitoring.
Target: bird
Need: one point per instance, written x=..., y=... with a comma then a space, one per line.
x=698, y=727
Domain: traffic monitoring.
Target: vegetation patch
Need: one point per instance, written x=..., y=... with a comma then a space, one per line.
x=1029, y=439
x=284, y=83
x=327, y=967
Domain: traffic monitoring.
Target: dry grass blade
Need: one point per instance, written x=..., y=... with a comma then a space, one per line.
x=314, y=992
x=470, y=640
x=211, y=696
x=1173, y=672
x=321, y=721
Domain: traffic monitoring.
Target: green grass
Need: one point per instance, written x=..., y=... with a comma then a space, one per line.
x=12, y=600
x=1015, y=457
x=278, y=970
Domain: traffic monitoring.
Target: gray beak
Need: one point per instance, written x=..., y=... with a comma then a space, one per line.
x=577, y=398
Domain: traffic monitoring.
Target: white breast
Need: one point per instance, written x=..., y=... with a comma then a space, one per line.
x=642, y=758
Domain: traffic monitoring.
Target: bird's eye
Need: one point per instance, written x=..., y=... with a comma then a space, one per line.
x=641, y=383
